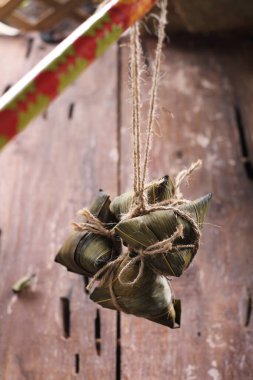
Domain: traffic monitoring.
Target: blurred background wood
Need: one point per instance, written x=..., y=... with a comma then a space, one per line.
x=45, y=14
x=82, y=144
x=48, y=173
x=216, y=16
x=195, y=16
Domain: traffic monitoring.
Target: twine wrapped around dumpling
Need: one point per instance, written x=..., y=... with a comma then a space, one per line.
x=161, y=241
x=149, y=298
x=86, y=251
x=145, y=231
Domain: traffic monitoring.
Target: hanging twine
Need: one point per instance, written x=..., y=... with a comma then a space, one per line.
x=138, y=198
x=154, y=88
x=139, y=201
x=110, y=271
x=184, y=175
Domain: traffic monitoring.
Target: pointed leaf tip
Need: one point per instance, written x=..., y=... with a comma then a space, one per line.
x=199, y=208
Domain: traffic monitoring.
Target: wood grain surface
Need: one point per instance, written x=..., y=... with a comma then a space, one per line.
x=240, y=74
x=48, y=173
x=82, y=143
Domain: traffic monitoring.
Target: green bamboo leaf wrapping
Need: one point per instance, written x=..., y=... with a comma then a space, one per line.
x=92, y=252
x=84, y=252
x=162, y=224
x=101, y=207
x=66, y=255
x=156, y=192
x=171, y=317
x=149, y=298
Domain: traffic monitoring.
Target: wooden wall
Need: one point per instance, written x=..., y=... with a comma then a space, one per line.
x=82, y=143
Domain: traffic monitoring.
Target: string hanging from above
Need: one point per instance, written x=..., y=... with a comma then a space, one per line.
x=158, y=227
x=140, y=175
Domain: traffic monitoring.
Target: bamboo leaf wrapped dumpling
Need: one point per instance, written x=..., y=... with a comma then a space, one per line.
x=86, y=252
x=155, y=192
x=149, y=298
x=143, y=231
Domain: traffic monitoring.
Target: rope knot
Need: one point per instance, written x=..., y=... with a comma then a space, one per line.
x=92, y=224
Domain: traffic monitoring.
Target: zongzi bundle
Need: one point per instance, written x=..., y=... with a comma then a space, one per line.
x=150, y=297
x=135, y=281
x=86, y=252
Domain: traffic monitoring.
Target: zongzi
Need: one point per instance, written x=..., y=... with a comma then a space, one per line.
x=150, y=297
x=143, y=231
x=86, y=252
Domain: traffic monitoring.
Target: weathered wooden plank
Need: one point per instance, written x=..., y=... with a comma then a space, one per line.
x=240, y=74
x=48, y=172
x=215, y=339
x=12, y=47
x=200, y=16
